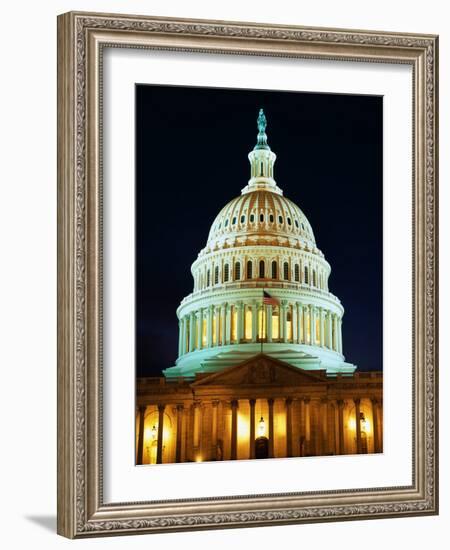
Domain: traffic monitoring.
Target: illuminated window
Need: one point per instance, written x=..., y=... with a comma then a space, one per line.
x=249, y=269
x=226, y=273
x=297, y=272
x=261, y=269
x=204, y=333
x=248, y=323
x=274, y=270
x=214, y=326
x=237, y=271
x=216, y=275
x=233, y=325
x=286, y=271
x=261, y=324
x=275, y=323
x=289, y=324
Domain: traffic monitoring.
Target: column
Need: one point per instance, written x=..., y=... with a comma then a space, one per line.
x=179, y=432
x=289, y=427
x=339, y=335
x=159, y=449
x=227, y=324
x=305, y=324
x=341, y=446
x=192, y=331
x=313, y=326
x=214, y=427
x=283, y=331
x=294, y=323
x=329, y=331
x=140, y=446
x=234, y=407
x=358, y=425
x=185, y=343
x=299, y=323
x=223, y=317
x=270, y=402
x=376, y=435
x=180, y=337
x=239, y=321
x=307, y=426
x=254, y=321
x=322, y=327
x=252, y=428
x=217, y=315
x=302, y=427
x=200, y=329
x=196, y=431
x=335, y=332
x=209, y=327
x=324, y=422
x=268, y=316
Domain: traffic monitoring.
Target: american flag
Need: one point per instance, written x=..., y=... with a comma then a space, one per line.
x=269, y=300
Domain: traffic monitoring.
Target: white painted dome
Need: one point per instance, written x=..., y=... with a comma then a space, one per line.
x=260, y=281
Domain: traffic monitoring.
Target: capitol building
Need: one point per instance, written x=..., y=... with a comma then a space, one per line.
x=261, y=371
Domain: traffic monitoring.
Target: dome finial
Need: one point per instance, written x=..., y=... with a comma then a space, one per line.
x=262, y=136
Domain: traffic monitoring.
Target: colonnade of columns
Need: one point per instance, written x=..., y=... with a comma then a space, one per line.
x=320, y=428
x=252, y=322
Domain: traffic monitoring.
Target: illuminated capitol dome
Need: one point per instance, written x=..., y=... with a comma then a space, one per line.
x=260, y=284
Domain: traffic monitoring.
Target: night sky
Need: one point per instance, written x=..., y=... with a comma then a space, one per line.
x=191, y=159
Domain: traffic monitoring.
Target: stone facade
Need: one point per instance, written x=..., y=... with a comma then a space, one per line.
x=220, y=416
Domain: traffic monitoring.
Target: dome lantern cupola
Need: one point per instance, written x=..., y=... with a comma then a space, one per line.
x=262, y=160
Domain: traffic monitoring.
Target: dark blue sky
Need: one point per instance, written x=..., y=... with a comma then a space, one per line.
x=191, y=159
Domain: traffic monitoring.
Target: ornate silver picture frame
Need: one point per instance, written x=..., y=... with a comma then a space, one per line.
x=82, y=41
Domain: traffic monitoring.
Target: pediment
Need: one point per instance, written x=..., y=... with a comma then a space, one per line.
x=262, y=370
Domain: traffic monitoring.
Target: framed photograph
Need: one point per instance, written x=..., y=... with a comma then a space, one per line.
x=247, y=284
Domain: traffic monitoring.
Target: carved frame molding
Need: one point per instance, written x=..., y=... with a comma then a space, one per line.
x=81, y=38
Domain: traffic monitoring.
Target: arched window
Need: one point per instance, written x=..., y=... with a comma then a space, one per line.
x=306, y=275
x=234, y=220
x=261, y=269
x=243, y=218
x=280, y=219
x=274, y=270
x=252, y=218
x=261, y=218
x=226, y=273
x=216, y=275
x=237, y=271
x=286, y=271
x=297, y=273
x=208, y=278
x=271, y=218
x=249, y=269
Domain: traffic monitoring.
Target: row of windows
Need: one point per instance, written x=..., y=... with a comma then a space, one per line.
x=262, y=218
x=308, y=276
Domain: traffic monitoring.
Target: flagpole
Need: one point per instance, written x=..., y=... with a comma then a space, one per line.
x=262, y=320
